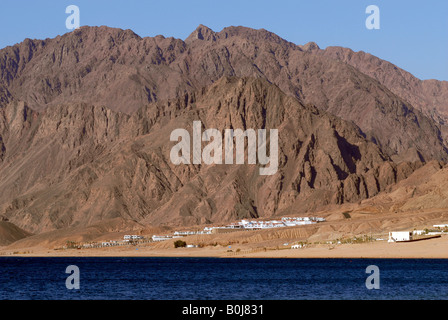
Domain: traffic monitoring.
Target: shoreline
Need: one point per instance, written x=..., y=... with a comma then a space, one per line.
x=436, y=248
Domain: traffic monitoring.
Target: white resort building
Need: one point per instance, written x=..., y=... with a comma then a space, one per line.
x=398, y=236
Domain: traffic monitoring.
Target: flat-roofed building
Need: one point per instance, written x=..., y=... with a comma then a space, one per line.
x=397, y=236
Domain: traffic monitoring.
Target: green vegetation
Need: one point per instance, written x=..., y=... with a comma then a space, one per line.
x=180, y=244
x=71, y=244
x=346, y=214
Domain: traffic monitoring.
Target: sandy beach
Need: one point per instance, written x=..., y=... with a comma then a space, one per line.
x=436, y=248
x=321, y=241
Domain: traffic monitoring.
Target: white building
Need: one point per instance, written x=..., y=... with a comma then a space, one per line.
x=133, y=237
x=434, y=233
x=396, y=236
x=441, y=226
x=160, y=238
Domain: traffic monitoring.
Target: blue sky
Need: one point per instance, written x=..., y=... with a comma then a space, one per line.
x=413, y=34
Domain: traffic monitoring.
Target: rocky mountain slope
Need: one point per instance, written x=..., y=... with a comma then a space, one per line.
x=86, y=118
x=428, y=96
x=76, y=165
x=425, y=189
x=10, y=233
x=121, y=71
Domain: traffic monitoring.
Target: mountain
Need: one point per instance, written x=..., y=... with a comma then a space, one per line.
x=119, y=70
x=76, y=165
x=428, y=96
x=86, y=119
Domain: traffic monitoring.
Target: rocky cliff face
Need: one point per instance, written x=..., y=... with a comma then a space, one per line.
x=76, y=165
x=121, y=71
x=86, y=118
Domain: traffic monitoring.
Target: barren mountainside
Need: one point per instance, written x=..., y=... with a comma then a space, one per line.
x=121, y=71
x=428, y=96
x=76, y=165
x=86, y=118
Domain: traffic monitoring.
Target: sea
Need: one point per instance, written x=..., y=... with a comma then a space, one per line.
x=144, y=278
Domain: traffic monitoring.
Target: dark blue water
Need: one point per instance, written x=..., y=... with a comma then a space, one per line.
x=222, y=279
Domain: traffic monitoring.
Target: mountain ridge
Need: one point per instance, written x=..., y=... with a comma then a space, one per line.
x=122, y=71
x=85, y=121
x=89, y=163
